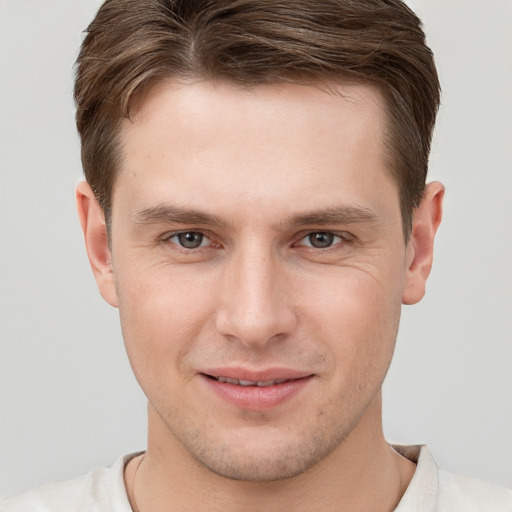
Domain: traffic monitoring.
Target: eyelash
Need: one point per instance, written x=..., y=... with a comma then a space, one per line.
x=344, y=238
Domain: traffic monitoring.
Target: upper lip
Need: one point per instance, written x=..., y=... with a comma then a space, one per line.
x=266, y=375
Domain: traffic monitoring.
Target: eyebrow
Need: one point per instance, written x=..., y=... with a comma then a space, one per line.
x=344, y=214
x=170, y=214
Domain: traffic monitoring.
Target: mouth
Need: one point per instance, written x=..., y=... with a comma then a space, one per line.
x=250, y=390
x=254, y=383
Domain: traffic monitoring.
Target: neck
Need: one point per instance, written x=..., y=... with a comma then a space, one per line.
x=362, y=473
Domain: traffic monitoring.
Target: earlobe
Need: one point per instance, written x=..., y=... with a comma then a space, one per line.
x=426, y=220
x=94, y=229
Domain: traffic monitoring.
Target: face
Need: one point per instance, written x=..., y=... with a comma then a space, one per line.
x=259, y=267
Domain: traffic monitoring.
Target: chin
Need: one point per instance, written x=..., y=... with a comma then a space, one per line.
x=264, y=457
x=263, y=468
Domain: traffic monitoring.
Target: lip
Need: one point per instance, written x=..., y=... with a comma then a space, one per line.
x=254, y=397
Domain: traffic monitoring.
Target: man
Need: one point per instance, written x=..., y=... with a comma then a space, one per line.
x=256, y=208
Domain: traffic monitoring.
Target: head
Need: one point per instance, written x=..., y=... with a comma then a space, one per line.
x=261, y=165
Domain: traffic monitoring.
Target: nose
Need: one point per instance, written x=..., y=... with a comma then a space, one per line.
x=254, y=307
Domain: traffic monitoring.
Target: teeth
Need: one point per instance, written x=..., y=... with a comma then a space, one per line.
x=260, y=383
x=247, y=383
x=228, y=380
x=266, y=383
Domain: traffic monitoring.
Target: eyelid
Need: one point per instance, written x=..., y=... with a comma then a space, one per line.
x=174, y=232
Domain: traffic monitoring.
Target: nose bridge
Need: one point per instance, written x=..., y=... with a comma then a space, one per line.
x=255, y=309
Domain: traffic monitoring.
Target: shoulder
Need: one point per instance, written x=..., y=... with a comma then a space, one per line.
x=435, y=490
x=471, y=495
x=98, y=490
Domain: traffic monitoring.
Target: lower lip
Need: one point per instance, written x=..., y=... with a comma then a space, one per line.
x=257, y=398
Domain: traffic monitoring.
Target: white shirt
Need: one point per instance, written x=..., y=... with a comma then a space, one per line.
x=430, y=490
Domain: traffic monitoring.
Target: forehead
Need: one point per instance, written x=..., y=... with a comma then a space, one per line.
x=216, y=142
x=196, y=103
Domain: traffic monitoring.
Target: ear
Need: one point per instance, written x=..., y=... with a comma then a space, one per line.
x=92, y=220
x=420, y=248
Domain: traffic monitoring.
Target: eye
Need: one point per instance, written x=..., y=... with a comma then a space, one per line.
x=189, y=239
x=321, y=240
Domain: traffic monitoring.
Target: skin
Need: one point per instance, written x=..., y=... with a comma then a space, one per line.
x=268, y=168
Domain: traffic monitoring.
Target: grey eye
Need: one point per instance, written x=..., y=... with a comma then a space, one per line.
x=189, y=239
x=321, y=240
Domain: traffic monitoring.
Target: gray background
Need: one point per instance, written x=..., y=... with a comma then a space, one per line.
x=68, y=401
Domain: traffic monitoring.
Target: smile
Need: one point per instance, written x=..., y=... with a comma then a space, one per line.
x=256, y=390
x=259, y=383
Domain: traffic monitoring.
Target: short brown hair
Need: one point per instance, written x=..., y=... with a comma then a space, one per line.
x=252, y=42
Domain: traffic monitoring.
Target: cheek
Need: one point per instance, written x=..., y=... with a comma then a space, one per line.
x=357, y=320
x=161, y=314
